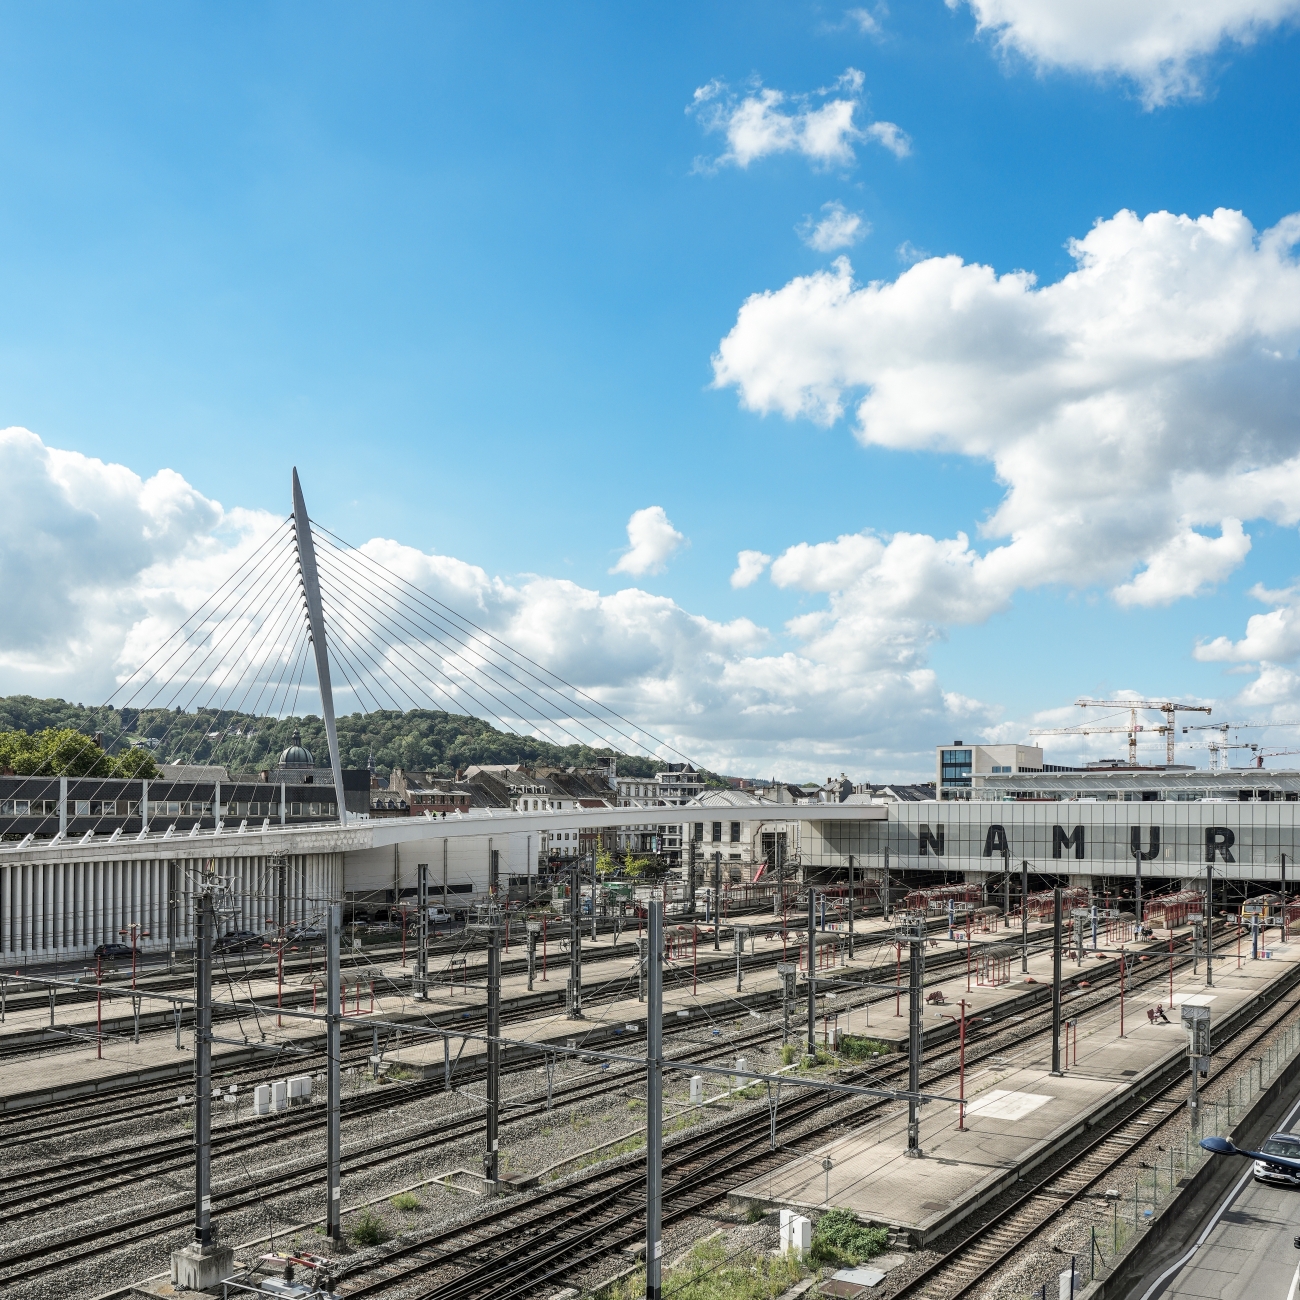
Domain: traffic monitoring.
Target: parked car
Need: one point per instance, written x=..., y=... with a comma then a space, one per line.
x=307, y=934
x=238, y=939
x=440, y=916
x=112, y=951
x=1280, y=1144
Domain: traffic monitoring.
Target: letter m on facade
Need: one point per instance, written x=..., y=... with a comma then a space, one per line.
x=1061, y=841
x=927, y=839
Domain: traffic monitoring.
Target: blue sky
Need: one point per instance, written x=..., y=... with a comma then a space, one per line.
x=464, y=267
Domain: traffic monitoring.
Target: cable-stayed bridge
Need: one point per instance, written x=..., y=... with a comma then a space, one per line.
x=304, y=621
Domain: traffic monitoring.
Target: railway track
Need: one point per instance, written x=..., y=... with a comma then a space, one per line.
x=723, y=1152
x=103, y=1239
x=1065, y=1180
x=510, y=1252
x=102, y=1111
x=151, y=1158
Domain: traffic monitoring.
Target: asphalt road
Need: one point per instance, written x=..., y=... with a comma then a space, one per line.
x=1248, y=1254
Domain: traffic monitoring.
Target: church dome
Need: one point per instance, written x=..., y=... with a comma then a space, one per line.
x=296, y=755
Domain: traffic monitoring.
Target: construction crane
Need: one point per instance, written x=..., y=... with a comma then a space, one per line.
x=1167, y=707
x=1217, y=747
x=1262, y=754
x=1221, y=752
x=1130, y=731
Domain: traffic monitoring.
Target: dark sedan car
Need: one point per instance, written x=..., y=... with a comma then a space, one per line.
x=109, y=951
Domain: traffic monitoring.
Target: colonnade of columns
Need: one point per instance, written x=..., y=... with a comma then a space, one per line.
x=64, y=910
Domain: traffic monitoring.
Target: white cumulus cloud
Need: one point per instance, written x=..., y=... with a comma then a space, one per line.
x=749, y=565
x=1137, y=411
x=836, y=228
x=651, y=540
x=891, y=136
x=1158, y=44
x=96, y=562
x=99, y=566
x=821, y=126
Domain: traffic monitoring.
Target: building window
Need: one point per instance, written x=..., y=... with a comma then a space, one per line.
x=735, y=832
x=1001, y=770
x=699, y=832
x=955, y=766
x=717, y=832
x=81, y=807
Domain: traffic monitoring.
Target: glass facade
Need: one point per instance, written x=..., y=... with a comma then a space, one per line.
x=1244, y=840
x=955, y=766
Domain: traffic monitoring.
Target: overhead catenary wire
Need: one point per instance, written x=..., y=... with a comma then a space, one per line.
x=401, y=636
x=440, y=626
x=416, y=649
x=427, y=630
x=582, y=699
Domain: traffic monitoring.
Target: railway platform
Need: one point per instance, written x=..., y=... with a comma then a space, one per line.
x=1017, y=1111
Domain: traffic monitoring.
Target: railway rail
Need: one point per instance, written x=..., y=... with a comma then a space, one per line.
x=691, y=1177
x=547, y=1237
x=1063, y=1181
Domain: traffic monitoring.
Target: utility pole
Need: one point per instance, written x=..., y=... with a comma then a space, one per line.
x=1137, y=889
x=691, y=871
x=575, y=945
x=1209, y=925
x=1006, y=889
x=812, y=973
x=654, y=1105
x=201, y=1264
x=851, y=900
x=422, y=933
x=717, y=902
x=1024, y=917
x=205, y=924
x=534, y=930
x=494, y=1049
x=333, y=1048
x=1056, y=980
x=889, y=910
x=787, y=971
x=915, y=1034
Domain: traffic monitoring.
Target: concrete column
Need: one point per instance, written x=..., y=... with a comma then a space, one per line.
x=63, y=805
x=27, y=907
x=114, y=919
x=56, y=929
